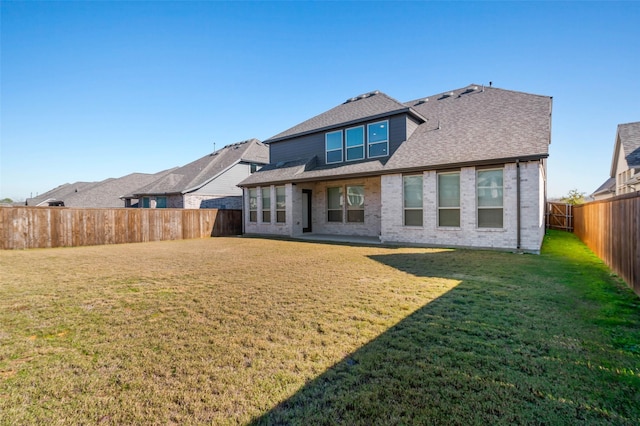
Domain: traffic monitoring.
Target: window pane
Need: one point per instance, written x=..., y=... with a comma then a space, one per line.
x=161, y=202
x=413, y=217
x=355, y=136
x=281, y=216
x=490, y=188
x=378, y=132
x=449, y=217
x=334, y=198
x=355, y=215
x=266, y=198
x=266, y=216
x=280, y=198
x=490, y=218
x=334, y=156
x=490, y=178
x=449, y=190
x=253, y=216
x=355, y=197
x=335, y=215
x=356, y=153
x=145, y=202
x=378, y=149
x=334, y=140
x=413, y=191
x=253, y=199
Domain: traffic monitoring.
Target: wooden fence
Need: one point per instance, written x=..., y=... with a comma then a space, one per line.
x=41, y=227
x=611, y=229
x=560, y=216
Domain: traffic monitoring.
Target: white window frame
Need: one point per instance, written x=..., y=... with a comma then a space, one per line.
x=448, y=208
x=478, y=207
x=253, y=208
x=386, y=141
x=327, y=150
x=281, y=210
x=405, y=208
x=362, y=145
x=265, y=209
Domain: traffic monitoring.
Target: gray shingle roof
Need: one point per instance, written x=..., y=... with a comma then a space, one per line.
x=472, y=125
x=609, y=186
x=630, y=138
x=200, y=172
x=372, y=104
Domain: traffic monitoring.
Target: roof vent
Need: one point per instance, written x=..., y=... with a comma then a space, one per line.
x=422, y=101
x=446, y=95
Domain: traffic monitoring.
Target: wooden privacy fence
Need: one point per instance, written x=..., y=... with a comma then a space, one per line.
x=560, y=216
x=611, y=229
x=41, y=227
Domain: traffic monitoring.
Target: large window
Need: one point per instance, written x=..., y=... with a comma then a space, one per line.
x=266, y=205
x=412, y=194
x=281, y=214
x=355, y=203
x=378, y=139
x=355, y=143
x=449, y=199
x=253, y=205
x=146, y=202
x=161, y=202
x=334, y=204
x=490, y=198
x=333, y=145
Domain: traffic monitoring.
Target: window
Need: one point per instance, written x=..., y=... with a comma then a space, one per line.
x=355, y=203
x=254, y=167
x=333, y=145
x=281, y=204
x=449, y=199
x=378, y=138
x=145, y=202
x=490, y=199
x=253, y=205
x=266, y=205
x=355, y=143
x=334, y=204
x=161, y=202
x=412, y=194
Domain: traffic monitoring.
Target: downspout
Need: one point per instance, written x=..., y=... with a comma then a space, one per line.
x=518, y=201
x=243, y=211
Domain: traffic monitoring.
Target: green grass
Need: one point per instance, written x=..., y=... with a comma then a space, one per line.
x=252, y=331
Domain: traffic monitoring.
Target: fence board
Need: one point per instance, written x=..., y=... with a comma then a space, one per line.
x=42, y=227
x=611, y=229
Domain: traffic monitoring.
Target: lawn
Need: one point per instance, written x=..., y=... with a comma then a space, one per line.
x=253, y=331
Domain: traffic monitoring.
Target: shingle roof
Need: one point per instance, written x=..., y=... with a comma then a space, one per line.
x=472, y=125
x=200, y=172
x=630, y=137
x=372, y=104
x=609, y=186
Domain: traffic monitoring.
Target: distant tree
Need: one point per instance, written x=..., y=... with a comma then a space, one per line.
x=574, y=197
x=6, y=201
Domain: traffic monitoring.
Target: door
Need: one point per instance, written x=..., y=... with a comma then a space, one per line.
x=306, y=210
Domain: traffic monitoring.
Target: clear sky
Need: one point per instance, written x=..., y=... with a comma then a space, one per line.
x=93, y=90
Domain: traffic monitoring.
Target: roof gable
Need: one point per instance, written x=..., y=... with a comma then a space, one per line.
x=368, y=106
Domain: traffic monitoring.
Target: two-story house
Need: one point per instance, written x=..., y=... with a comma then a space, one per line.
x=463, y=168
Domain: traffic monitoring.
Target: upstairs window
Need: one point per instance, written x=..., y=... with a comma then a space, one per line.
x=253, y=205
x=490, y=198
x=266, y=205
x=449, y=199
x=280, y=204
x=378, y=139
x=355, y=143
x=333, y=145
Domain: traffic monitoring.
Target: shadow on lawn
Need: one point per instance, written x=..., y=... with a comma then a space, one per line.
x=493, y=350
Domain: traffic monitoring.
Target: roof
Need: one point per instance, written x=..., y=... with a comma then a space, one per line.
x=468, y=126
x=629, y=135
x=363, y=107
x=202, y=171
x=105, y=193
x=608, y=187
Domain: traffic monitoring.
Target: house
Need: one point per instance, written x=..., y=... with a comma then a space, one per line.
x=209, y=182
x=463, y=168
x=625, y=165
x=102, y=194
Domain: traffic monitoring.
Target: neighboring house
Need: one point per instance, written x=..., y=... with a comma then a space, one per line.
x=103, y=194
x=606, y=190
x=464, y=168
x=209, y=182
x=625, y=166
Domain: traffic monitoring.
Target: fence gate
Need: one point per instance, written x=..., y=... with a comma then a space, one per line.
x=560, y=216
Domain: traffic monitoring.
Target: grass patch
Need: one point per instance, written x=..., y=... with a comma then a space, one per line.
x=237, y=331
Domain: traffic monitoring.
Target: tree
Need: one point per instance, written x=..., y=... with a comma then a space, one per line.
x=574, y=197
x=6, y=201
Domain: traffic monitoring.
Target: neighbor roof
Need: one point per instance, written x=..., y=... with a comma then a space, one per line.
x=608, y=187
x=630, y=137
x=202, y=171
x=471, y=125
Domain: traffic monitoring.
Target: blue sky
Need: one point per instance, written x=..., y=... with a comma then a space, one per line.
x=93, y=90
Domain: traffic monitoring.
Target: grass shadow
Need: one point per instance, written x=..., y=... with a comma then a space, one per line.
x=518, y=341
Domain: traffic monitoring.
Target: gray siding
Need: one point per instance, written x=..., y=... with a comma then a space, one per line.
x=226, y=183
x=313, y=145
x=412, y=125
